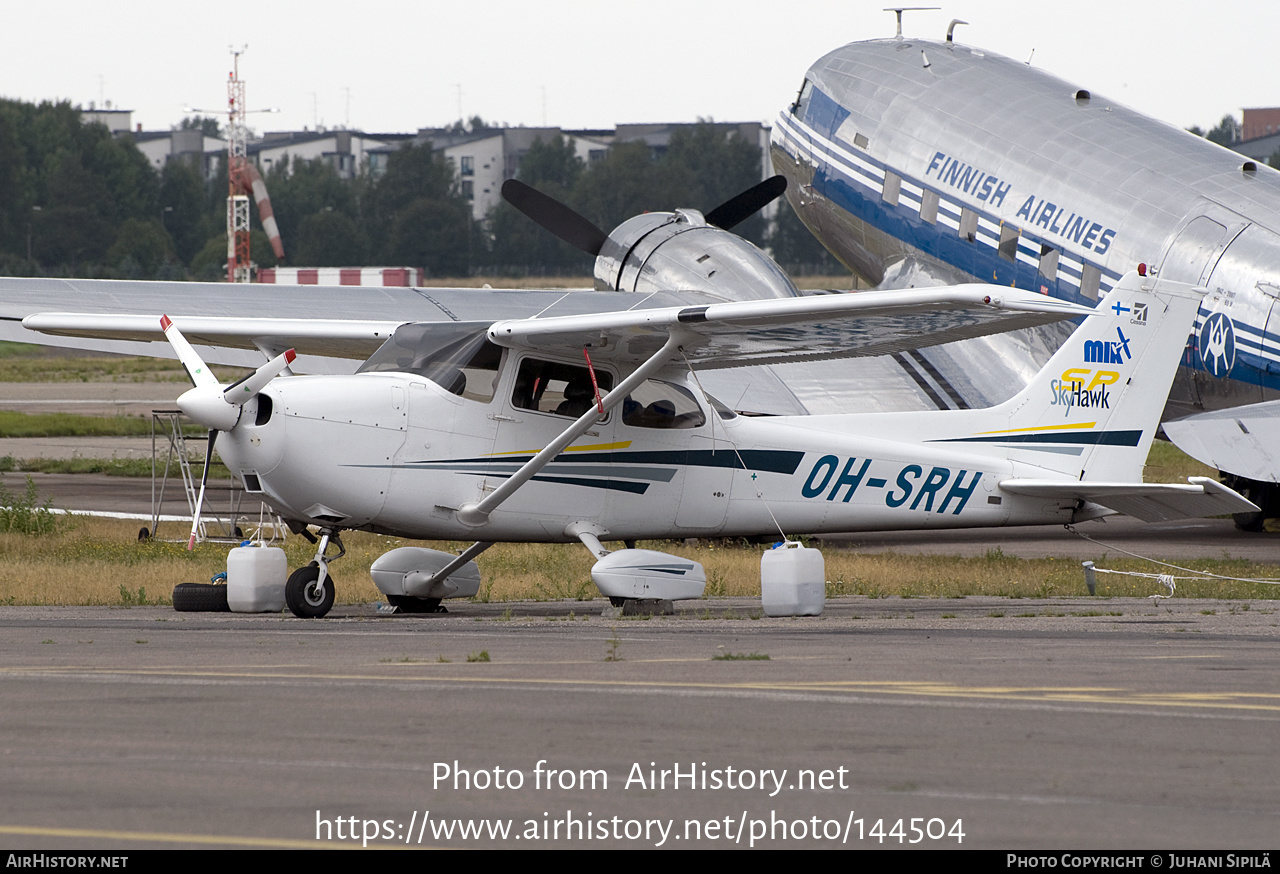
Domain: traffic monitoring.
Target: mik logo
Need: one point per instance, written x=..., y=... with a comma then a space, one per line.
x=1108, y=351
x=844, y=480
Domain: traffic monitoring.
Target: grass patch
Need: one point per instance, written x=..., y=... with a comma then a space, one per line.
x=611, y=653
x=1167, y=463
x=14, y=424
x=136, y=467
x=87, y=561
x=26, y=513
x=22, y=362
x=481, y=656
x=741, y=657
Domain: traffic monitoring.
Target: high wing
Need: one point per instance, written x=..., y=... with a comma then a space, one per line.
x=350, y=338
x=231, y=323
x=746, y=333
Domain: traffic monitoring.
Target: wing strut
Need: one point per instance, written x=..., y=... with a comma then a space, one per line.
x=477, y=514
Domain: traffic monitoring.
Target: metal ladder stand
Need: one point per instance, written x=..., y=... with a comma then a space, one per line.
x=167, y=425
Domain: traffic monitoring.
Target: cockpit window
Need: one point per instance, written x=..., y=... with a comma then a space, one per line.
x=457, y=357
x=802, y=100
x=657, y=404
x=556, y=387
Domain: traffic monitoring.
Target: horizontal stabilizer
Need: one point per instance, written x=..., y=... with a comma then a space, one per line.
x=1150, y=502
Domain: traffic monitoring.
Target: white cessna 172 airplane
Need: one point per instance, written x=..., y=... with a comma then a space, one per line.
x=595, y=426
x=925, y=162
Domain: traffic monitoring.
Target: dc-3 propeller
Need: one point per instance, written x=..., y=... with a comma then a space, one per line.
x=659, y=251
x=212, y=404
x=580, y=232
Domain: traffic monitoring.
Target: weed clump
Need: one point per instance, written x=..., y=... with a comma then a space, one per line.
x=25, y=513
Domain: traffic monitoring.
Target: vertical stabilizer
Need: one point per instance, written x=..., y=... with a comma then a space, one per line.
x=1093, y=410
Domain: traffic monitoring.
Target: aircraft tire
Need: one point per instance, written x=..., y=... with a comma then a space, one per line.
x=300, y=593
x=1265, y=495
x=200, y=598
x=410, y=604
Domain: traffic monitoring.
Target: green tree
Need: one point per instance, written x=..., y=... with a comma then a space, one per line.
x=435, y=234
x=417, y=216
x=206, y=124
x=1227, y=132
x=140, y=248
x=299, y=189
x=182, y=208
x=796, y=249
x=708, y=164
x=328, y=239
x=517, y=243
x=620, y=186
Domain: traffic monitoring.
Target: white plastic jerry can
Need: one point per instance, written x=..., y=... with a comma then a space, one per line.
x=793, y=580
x=255, y=579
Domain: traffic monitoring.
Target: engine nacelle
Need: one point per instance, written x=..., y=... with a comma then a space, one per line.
x=668, y=251
x=409, y=569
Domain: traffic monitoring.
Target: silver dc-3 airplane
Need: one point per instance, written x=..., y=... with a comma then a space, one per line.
x=596, y=427
x=925, y=162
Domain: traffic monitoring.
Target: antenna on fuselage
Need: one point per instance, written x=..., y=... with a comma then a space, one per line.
x=898, y=10
x=951, y=28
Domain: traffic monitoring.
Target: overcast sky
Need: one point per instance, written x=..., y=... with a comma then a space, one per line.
x=396, y=66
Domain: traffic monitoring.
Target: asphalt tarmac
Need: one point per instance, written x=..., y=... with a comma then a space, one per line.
x=1070, y=723
x=971, y=723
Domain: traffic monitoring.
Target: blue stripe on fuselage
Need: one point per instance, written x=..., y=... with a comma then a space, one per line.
x=858, y=192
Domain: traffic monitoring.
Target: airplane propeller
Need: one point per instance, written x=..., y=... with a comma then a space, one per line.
x=210, y=404
x=580, y=232
x=743, y=206
x=554, y=216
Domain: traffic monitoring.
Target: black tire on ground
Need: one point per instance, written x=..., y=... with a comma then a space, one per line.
x=410, y=604
x=144, y=533
x=1265, y=495
x=200, y=598
x=304, y=599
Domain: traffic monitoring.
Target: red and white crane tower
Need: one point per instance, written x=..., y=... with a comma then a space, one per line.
x=243, y=179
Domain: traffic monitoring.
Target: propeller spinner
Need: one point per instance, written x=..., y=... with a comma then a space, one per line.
x=211, y=404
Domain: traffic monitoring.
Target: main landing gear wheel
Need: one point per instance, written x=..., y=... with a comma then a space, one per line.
x=410, y=604
x=305, y=597
x=1265, y=495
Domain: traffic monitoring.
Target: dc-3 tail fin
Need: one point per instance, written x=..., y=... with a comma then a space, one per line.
x=1093, y=410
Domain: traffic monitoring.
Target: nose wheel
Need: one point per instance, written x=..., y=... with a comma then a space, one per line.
x=310, y=591
x=307, y=595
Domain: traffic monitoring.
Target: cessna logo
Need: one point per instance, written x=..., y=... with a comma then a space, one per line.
x=1108, y=351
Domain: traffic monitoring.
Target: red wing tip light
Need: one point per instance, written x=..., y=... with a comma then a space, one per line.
x=165, y=323
x=289, y=355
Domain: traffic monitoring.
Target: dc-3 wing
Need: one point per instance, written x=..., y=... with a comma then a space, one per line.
x=744, y=333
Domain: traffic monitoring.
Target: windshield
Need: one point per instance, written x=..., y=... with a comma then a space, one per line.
x=456, y=356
